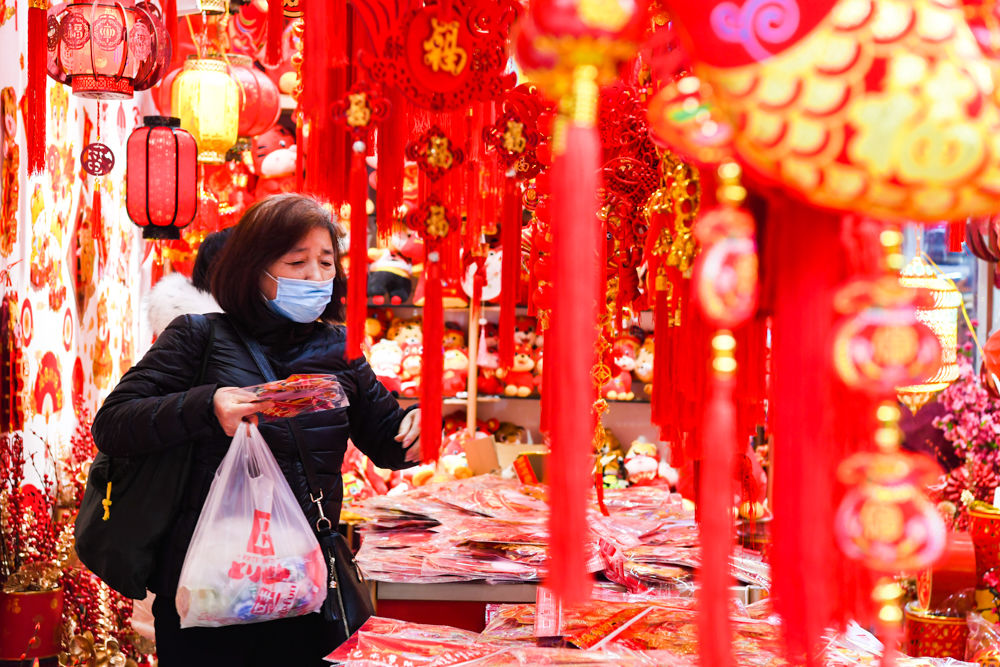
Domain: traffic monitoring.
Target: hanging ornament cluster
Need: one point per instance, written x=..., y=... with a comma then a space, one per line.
x=105, y=49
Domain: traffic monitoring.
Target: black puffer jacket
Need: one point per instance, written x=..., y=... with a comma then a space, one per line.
x=155, y=407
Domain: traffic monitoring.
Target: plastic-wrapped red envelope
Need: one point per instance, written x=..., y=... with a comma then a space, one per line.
x=299, y=394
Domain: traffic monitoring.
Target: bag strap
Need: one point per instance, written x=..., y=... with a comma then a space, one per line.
x=323, y=524
x=208, y=352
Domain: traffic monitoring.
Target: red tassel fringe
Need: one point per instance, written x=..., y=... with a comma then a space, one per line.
x=433, y=360
x=570, y=346
x=358, y=277
x=170, y=21
x=510, y=270
x=37, y=64
x=811, y=441
x=716, y=524
x=956, y=234
x=275, y=28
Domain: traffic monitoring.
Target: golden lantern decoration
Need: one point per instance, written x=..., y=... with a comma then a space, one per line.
x=942, y=318
x=207, y=100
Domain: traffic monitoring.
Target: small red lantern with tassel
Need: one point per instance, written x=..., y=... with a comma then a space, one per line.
x=107, y=50
x=161, y=178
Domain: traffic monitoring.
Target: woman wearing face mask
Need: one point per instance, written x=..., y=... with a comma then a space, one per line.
x=278, y=280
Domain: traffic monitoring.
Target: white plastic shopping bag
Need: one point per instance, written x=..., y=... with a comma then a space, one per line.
x=253, y=556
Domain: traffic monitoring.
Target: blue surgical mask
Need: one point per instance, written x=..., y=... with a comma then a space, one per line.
x=301, y=300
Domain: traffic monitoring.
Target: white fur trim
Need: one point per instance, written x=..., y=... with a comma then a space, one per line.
x=174, y=296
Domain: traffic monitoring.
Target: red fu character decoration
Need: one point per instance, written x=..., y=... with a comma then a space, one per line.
x=161, y=178
x=359, y=112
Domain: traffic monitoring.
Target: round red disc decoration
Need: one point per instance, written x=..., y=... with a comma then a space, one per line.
x=27, y=323
x=67, y=330
x=97, y=159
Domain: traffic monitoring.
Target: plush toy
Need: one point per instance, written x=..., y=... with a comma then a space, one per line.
x=487, y=381
x=644, y=365
x=453, y=336
x=456, y=466
x=519, y=380
x=456, y=371
x=510, y=433
x=386, y=359
x=406, y=332
x=390, y=273
x=524, y=330
x=537, y=355
x=625, y=349
x=613, y=470
x=642, y=463
x=492, y=269
x=411, y=367
x=274, y=156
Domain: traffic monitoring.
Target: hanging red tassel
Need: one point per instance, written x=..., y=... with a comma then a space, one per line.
x=170, y=21
x=510, y=269
x=357, y=280
x=575, y=239
x=716, y=519
x=809, y=448
x=956, y=234
x=433, y=359
x=275, y=28
x=37, y=81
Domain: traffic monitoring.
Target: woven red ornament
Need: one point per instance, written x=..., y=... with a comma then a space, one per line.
x=358, y=111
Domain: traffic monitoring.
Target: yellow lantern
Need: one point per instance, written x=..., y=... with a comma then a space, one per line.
x=942, y=318
x=207, y=100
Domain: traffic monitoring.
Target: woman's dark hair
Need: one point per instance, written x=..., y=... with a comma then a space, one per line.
x=204, y=263
x=269, y=229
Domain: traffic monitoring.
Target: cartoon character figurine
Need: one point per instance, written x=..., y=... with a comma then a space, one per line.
x=456, y=371
x=274, y=155
x=644, y=365
x=390, y=273
x=386, y=359
x=624, y=350
x=642, y=464
x=519, y=380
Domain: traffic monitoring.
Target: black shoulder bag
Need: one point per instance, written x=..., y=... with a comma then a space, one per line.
x=348, y=599
x=128, y=506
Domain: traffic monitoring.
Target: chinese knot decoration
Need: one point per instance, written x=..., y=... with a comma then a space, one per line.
x=442, y=55
x=360, y=110
x=434, y=153
x=106, y=49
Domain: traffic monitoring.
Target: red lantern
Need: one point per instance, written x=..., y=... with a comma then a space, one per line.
x=107, y=49
x=161, y=179
x=260, y=103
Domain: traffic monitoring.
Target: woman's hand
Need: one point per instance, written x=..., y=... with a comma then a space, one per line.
x=233, y=405
x=409, y=431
